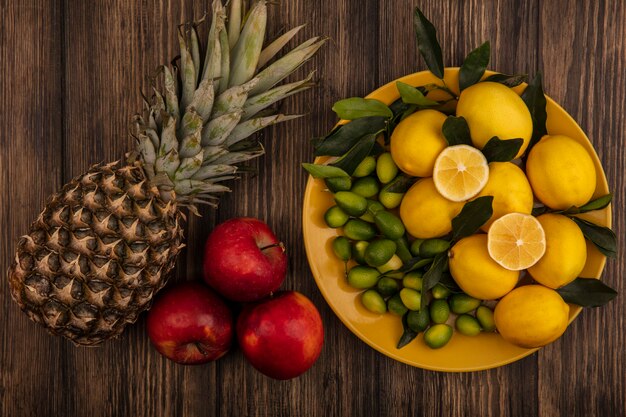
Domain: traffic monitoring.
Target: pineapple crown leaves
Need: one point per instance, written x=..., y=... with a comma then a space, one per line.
x=196, y=128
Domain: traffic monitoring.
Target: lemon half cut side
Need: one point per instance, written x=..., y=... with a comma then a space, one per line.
x=460, y=172
x=516, y=241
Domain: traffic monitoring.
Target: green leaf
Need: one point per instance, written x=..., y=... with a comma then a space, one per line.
x=316, y=141
x=474, y=66
x=356, y=154
x=536, y=102
x=456, y=131
x=357, y=107
x=415, y=263
x=344, y=137
x=603, y=237
x=398, y=107
x=508, y=80
x=597, y=204
x=449, y=282
x=412, y=109
x=474, y=214
x=427, y=88
x=412, y=95
x=324, y=171
x=400, y=184
x=427, y=43
x=433, y=276
x=377, y=149
x=537, y=211
x=587, y=292
x=502, y=150
x=407, y=335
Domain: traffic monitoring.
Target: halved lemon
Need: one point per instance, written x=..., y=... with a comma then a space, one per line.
x=460, y=172
x=516, y=241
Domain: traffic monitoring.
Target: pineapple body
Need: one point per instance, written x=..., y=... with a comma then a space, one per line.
x=104, y=244
x=96, y=254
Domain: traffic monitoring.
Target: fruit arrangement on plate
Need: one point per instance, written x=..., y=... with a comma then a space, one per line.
x=458, y=199
x=106, y=243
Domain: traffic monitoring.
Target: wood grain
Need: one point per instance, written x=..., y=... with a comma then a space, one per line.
x=73, y=72
x=31, y=121
x=582, y=59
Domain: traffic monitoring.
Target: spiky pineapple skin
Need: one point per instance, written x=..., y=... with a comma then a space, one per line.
x=104, y=244
x=97, y=254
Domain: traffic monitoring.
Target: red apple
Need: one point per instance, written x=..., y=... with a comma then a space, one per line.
x=281, y=336
x=243, y=260
x=190, y=324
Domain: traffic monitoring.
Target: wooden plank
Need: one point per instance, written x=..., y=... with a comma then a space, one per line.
x=67, y=105
x=584, y=61
x=509, y=25
x=334, y=386
x=32, y=367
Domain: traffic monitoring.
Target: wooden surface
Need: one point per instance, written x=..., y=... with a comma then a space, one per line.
x=71, y=76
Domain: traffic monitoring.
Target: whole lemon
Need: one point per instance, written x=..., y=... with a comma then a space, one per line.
x=510, y=190
x=476, y=273
x=426, y=213
x=531, y=316
x=566, y=252
x=561, y=172
x=417, y=141
x=492, y=109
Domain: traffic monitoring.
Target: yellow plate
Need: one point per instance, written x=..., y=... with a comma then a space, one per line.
x=462, y=353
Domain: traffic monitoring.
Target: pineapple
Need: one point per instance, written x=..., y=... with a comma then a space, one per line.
x=105, y=244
